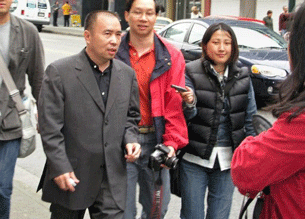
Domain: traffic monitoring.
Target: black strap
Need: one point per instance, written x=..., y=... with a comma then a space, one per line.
x=258, y=205
x=244, y=208
x=157, y=198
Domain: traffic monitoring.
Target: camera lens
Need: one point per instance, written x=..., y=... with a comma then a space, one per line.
x=171, y=162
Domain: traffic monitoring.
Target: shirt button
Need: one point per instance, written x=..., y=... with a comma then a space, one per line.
x=94, y=66
x=103, y=93
x=168, y=63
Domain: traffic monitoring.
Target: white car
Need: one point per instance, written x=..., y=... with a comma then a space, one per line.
x=37, y=12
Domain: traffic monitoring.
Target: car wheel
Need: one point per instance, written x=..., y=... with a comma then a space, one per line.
x=39, y=28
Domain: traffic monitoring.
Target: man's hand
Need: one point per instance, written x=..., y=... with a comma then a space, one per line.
x=170, y=154
x=187, y=96
x=133, y=151
x=63, y=182
x=172, y=151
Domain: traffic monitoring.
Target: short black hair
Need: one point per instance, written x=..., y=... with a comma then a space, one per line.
x=130, y=2
x=92, y=16
x=208, y=35
x=269, y=12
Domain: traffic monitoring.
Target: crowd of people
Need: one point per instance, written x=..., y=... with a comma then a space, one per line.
x=110, y=120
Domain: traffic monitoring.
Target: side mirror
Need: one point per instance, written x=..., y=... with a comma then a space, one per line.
x=260, y=124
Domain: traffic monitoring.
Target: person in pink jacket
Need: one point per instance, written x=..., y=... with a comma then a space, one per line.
x=276, y=158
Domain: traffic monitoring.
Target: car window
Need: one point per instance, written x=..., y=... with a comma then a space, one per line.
x=42, y=4
x=196, y=34
x=31, y=4
x=159, y=21
x=177, y=32
x=14, y=5
x=256, y=39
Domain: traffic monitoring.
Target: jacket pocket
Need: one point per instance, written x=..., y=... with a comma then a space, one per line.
x=23, y=59
x=11, y=118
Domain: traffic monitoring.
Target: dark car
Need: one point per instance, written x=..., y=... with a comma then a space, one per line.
x=261, y=50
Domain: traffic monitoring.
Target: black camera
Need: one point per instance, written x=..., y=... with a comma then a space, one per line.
x=159, y=156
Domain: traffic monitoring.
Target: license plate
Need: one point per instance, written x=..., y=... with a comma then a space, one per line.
x=40, y=14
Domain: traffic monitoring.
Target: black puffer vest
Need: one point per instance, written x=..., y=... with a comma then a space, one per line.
x=203, y=127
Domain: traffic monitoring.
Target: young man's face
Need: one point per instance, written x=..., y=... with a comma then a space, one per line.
x=142, y=17
x=5, y=7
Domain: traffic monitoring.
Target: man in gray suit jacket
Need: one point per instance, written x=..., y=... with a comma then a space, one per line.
x=88, y=116
x=22, y=52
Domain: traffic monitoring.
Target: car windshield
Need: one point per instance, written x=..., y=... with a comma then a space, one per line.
x=258, y=38
x=14, y=5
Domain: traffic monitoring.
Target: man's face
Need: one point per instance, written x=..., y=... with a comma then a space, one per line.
x=142, y=17
x=285, y=9
x=270, y=15
x=5, y=6
x=104, y=38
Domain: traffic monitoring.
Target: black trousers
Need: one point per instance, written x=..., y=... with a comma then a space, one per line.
x=55, y=16
x=104, y=207
x=66, y=20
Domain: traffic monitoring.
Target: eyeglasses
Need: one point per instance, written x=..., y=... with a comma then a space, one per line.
x=139, y=14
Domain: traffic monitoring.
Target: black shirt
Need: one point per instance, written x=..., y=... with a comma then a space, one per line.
x=102, y=78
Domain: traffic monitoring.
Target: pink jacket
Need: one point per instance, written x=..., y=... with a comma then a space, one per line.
x=275, y=158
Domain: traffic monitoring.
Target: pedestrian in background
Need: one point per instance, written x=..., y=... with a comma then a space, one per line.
x=284, y=16
x=55, y=13
x=22, y=51
x=88, y=117
x=195, y=12
x=157, y=64
x=225, y=105
x=66, y=10
x=275, y=158
x=268, y=20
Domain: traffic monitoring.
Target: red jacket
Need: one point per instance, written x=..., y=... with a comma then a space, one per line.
x=166, y=104
x=275, y=158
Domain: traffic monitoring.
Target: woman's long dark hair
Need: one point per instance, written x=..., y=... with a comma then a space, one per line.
x=292, y=91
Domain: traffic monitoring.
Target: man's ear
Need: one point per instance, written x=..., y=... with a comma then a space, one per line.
x=87, y=36
x=126, y=14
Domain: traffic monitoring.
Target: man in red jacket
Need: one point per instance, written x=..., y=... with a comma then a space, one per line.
x=157, y=65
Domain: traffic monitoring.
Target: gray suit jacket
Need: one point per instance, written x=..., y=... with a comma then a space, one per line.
x=80, y=134
x=26, y=56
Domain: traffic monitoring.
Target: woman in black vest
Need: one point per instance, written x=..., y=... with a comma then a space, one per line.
x=223, y=118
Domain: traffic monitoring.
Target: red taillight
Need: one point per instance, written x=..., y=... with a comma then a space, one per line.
x=49, y=15
x=22, y=12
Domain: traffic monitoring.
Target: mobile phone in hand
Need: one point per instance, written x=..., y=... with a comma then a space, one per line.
x=178, y=88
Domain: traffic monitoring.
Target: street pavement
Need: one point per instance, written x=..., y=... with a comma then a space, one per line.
x=27, y=204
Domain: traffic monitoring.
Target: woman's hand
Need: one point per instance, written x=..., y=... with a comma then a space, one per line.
x=187, y=96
